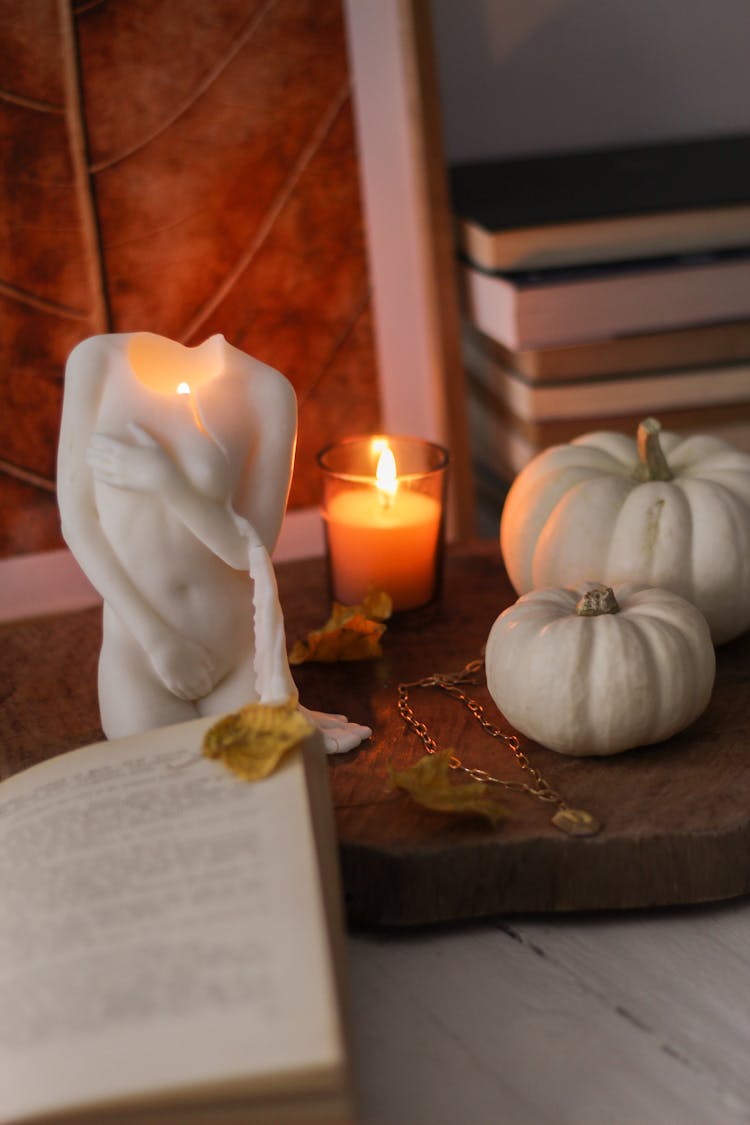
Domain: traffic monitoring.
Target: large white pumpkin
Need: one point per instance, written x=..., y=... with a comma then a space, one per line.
x=662, y=510
x=597, y=672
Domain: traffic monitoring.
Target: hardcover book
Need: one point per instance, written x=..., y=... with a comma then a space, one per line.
x=604, y=205
x=556, y=307
x=502, y=443
x=704, y=345
x=648, y=392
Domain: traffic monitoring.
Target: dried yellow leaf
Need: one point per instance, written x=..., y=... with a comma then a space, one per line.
x=429, y=784
x=352, y=632
x=377, y=605
x=252, y=741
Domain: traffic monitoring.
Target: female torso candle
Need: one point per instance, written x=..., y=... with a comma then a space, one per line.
x=173, y=472
x=160, y=502
x=384, y=528
x=196, y=594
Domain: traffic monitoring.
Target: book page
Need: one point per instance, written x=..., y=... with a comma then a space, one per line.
x=161, y=926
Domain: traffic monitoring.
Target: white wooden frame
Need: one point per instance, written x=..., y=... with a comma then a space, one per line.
x=410, y=245
x=393, y=170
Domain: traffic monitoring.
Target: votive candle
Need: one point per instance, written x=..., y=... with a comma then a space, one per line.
x=383, y=511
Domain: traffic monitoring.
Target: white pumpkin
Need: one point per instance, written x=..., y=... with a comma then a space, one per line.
x=665, y=510
x=600, y=671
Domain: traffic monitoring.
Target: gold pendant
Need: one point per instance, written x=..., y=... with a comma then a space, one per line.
x=576, y=822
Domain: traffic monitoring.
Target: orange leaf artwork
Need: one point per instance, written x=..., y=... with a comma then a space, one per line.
x=186, y=167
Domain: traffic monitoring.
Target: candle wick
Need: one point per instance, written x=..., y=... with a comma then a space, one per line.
x=186, y=389
x=197, y=418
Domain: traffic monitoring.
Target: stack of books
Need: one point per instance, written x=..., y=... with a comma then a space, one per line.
x=601, y=287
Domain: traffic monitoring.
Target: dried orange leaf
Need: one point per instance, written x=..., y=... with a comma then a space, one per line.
x=352, y=632
x=377, y=605
x=253, y=740
x=429, y=783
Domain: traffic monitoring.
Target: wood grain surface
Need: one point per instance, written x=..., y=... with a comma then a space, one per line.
x=676, y=816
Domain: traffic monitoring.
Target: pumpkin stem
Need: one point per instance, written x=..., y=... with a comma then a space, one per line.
x=653, y=464
x=597, y=601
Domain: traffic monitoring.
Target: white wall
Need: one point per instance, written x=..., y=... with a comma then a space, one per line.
x=532, y=76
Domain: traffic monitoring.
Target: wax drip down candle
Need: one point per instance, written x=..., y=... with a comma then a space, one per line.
x=174, y=466
x=383, y=505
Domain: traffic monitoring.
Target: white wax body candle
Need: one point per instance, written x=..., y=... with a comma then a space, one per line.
x=173, y=471
x=390, y=543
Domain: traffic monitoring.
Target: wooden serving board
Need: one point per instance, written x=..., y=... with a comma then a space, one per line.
x=676, y=816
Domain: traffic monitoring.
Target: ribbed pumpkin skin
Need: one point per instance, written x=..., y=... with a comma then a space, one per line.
x=577, y=511
x=589, y=686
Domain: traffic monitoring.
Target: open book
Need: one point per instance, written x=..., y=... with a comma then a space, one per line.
x=168, y=939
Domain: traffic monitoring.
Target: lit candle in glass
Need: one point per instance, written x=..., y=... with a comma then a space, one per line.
x=383, y=510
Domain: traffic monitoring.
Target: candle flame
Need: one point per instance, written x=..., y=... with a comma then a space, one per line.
x=385, y=474
x=184, y=389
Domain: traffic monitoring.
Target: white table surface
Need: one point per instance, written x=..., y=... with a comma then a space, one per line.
x=613, y=1019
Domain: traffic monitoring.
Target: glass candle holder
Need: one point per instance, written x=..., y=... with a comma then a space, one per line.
x=384, y=515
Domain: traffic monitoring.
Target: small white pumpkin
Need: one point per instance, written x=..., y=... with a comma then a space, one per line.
x=665, y=510
x=598, y=672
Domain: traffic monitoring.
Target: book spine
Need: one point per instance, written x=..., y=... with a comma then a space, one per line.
x=556, y=312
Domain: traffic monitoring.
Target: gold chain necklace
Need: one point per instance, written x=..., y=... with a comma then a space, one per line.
x=575, y=822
